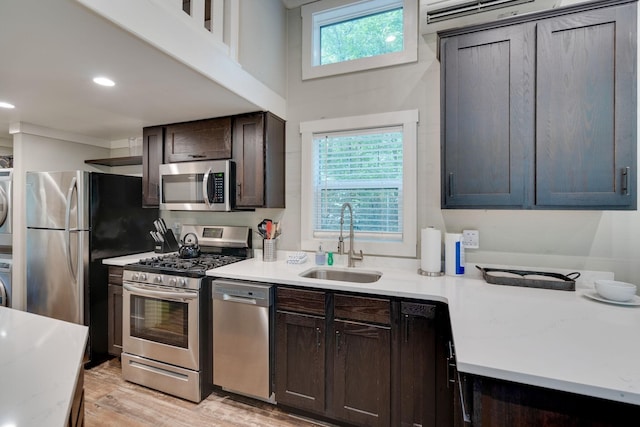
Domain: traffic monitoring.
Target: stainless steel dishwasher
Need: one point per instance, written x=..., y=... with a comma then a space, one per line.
x=242, y=338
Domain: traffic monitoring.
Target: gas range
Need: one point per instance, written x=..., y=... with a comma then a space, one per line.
x=166, y=311
x=219, y=246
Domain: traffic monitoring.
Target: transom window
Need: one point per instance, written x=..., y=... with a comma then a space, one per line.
x=369, y=162
x=341, y=36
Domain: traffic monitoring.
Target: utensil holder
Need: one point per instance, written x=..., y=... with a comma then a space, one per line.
x=269, y=250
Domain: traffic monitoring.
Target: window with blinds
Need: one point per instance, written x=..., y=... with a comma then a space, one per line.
x=364, y=168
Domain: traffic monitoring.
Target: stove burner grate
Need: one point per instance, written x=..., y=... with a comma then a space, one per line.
x=200, y=264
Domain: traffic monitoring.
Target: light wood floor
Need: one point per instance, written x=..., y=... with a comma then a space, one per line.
x=111, y=401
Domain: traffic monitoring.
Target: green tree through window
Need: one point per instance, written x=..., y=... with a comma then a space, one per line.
x=362, y=37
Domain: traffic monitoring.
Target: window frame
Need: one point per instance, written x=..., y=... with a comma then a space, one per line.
x=311, y=34
x=408, y=120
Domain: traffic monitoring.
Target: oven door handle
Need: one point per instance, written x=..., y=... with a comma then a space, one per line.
x=168, y=295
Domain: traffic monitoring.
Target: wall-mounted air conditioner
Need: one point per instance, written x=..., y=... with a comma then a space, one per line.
x=436, y=15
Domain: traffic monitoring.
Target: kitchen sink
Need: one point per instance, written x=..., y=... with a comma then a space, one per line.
x=357, y=276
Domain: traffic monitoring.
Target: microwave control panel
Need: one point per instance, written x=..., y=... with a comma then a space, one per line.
x=218, y=188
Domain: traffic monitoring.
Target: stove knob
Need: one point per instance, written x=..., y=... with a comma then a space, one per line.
x=173, y=281
x=143, y=277
x=158, y=279
x=183, y=282
x=135, y=276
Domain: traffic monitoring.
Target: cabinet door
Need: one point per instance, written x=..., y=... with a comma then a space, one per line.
x=248, y=153
x=199, y=140
x=258, y=150
x=586, y=109
x=417, y=364
x=487, y=121
x=152, y=153
x=362, y=373
x=114, y=328
x=300, y=361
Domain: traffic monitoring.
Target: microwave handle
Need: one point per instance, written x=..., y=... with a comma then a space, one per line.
x=205, y=188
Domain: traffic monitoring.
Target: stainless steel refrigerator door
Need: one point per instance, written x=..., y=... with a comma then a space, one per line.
x=53, y=199
x=56, y=273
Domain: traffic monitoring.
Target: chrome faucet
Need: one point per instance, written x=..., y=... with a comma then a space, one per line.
x=352, y=256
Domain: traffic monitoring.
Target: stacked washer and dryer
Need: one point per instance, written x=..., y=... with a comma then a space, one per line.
x=6, y=238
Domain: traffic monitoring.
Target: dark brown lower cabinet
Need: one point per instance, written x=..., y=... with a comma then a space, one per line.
x=300, y=361
x=417, y=370
x=362, y=373
x=498, y=403
x=114, y=316
x=76, y=412
x=361, y=360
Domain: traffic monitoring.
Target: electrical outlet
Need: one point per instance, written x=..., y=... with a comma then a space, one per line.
x=470, y=239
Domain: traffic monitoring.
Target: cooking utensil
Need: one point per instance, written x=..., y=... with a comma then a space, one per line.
x=153, y=236
x=163, y=225
x=262, y=228
x=269, y=227
x=189, y=249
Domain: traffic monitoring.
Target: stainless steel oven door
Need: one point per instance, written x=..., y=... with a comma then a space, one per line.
x=161, y=323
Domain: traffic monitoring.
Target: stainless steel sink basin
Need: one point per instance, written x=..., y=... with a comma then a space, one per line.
x=357, y=276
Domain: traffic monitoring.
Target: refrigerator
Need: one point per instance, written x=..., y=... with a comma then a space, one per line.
x=74, y=220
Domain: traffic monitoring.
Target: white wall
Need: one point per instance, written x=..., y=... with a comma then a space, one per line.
x=262, y=45
x=40, y=152
x=6, y=146
x=568, y=239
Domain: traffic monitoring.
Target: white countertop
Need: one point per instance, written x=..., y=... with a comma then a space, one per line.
x=556, y=339
x=121, y=261
x=40, y=359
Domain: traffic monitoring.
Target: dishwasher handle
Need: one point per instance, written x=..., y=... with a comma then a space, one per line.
x=242, y=293
x=241, y=300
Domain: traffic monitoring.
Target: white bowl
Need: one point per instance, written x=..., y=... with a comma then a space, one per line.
x=615, y=291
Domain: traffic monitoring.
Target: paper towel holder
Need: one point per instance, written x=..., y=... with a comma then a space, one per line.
x=430, y=273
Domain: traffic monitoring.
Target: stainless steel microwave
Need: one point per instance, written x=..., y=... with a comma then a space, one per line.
x=198, y=186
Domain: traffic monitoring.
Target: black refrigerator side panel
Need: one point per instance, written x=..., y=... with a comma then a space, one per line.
x=119, y=223
x=96, y=312
x=119, y=226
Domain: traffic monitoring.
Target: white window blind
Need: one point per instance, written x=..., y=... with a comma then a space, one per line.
x=364, y=168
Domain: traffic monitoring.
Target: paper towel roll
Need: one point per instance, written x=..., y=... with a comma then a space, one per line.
x=453, y=254
x=431, y=250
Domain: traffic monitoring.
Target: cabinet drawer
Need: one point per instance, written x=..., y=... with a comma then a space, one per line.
x=363, y=309
x=302, y=301
x=115, y=275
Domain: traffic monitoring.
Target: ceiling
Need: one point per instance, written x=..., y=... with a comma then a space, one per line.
x=51, y=50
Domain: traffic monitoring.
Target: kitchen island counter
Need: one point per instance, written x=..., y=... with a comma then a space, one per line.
x=40, y=360
x=560, y=340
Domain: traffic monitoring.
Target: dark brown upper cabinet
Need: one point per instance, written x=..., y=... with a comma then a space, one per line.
x=539, y=111
x=152, y=154
x=258, y=151
x=255, y=142
x=198, y=140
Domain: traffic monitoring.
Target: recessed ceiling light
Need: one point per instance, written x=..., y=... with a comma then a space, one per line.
x=103, y=81
x=6, y=105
